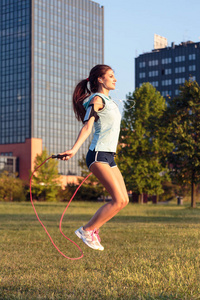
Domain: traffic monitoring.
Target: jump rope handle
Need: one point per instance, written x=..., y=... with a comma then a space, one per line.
x=59, y=156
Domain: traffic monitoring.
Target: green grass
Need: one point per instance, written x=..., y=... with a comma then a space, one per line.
x=151, y=252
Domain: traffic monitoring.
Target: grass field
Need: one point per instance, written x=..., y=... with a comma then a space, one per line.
x=151, y=252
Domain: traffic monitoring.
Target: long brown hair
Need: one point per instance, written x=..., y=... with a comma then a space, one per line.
x=82, y=91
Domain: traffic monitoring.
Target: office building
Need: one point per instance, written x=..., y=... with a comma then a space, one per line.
x=46, y=47
x=168, y=67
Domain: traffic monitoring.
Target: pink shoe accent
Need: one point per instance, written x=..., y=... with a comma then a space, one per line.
x=92, y=234
x=96, y=231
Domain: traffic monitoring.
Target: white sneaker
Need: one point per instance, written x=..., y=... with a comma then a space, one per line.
x=96, y=233
x=90, y=238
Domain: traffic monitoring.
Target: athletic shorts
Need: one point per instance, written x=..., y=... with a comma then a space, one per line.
x=100, y=156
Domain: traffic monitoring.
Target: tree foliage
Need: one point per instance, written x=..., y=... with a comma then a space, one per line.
x=45, y=183
x=143, y=145
x=183, y=118
x=11, y=187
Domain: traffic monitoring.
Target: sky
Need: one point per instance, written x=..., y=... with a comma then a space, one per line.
x=130, y=26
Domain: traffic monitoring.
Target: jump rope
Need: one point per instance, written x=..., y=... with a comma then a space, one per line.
x=60, y=224
x=61, y=219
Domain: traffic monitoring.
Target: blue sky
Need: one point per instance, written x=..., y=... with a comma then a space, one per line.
x=129, y=31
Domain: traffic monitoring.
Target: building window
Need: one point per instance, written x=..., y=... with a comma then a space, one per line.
x=166, y=71
x=192, y=68
x=177, y=92
x=142, y=64
x=8, y=164
x=153, y=63
x=142, y=75
x=153, y=73
x=166, y=93
x=180, y=58
x=192, y=56
x=179, y=80
x=179, y=69
x=193, y=78
x=167, y=60
x=166, y=82
x=6, y=154
x=154, y=83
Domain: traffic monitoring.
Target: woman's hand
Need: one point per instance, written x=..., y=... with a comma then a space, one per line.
x=69, y=154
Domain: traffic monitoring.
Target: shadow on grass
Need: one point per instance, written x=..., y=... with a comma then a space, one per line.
x=19, y=292
x=15, y=219
x=161, y=220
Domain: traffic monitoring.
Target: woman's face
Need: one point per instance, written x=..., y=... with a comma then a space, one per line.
x=108, y=80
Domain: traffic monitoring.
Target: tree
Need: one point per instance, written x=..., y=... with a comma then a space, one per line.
x=45, y=182
x=142, y=143
x=183, y=117
x=11, y=187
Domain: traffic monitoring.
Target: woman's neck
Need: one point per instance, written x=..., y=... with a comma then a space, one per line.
x=103, y=90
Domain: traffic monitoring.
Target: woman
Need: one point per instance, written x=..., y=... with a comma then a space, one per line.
x=102, y=112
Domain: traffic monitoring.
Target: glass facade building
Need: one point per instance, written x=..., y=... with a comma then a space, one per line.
x=46, y=48
x=168, y=68
x=15, y=71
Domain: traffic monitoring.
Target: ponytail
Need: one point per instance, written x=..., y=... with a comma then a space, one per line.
x=82, y=92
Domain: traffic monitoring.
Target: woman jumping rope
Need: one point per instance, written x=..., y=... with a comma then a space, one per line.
x=102, y=112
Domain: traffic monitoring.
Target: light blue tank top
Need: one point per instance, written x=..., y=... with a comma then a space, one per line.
x=107, y=127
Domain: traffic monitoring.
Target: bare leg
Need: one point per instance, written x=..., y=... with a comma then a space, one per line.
x=112, y=180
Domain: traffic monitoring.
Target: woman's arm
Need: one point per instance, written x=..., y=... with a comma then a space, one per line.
x=83, y=135
x=85, y=130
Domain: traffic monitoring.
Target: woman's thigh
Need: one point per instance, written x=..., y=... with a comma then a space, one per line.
x=120, y=179
x=111, y=180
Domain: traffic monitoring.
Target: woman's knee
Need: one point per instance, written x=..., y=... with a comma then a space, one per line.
x=121, y=203
x=125, y=201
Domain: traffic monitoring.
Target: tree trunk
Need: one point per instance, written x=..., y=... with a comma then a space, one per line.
x=157, y=199
x=11, y=197
x=193, y=200
x=141, y=198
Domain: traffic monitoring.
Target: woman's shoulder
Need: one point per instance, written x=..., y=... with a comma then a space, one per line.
x=94, y=98
x=98, y=96
x=101, y=96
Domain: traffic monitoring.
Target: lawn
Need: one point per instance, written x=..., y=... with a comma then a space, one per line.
x=151, y=252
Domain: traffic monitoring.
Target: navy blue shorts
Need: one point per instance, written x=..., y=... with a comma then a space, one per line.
x=100, y=156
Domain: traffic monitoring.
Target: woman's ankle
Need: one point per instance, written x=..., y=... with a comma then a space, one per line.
x=88, y=228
